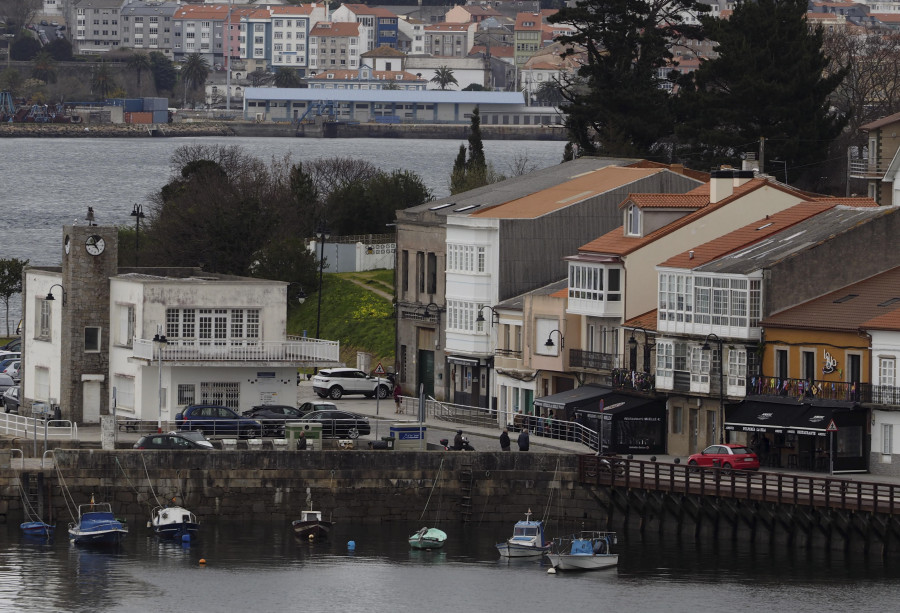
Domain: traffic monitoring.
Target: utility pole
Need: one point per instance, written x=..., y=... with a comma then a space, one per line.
x=227, y=29
x=762, y=154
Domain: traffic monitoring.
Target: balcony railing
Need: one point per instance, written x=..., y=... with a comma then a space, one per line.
x=860, y=168
x=578, y=358
x=810, y=388
x=295, y=350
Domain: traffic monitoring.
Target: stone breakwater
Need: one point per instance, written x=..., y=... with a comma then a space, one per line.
x=74, y=130
x=350, y=486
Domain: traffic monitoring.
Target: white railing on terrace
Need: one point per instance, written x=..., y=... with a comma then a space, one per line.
x=863, y=167
x=293, y=350
x=26, y=427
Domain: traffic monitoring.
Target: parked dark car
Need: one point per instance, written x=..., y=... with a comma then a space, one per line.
x=217, y=420
x=273, y=416
x=174, y=441
x=6, y=382
x=11, y=400
x=340, y=424
x=13, y=345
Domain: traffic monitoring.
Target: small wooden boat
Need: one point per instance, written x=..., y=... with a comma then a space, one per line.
x=311, y=525
x=527, y=540
x=428, y=538
x=176, y=523
x=97, y=526
x=37, y=529
x=588, y=550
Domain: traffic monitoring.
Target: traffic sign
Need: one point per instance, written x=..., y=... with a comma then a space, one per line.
x=831, y=427
x=379, y=370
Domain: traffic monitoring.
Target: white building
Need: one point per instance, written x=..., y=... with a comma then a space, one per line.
x=89, y=335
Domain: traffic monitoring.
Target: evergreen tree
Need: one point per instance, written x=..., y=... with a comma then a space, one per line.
x=476, y=162
x=475, y=171
x=771, y=80
x=615, y=105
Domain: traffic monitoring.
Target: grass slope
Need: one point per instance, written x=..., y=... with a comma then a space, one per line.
x=361, y=318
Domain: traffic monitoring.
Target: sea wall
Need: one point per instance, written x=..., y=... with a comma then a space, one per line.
x=358, y=486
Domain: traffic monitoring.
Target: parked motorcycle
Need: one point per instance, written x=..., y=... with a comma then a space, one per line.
x=466, y=446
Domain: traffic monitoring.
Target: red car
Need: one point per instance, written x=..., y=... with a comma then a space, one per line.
x=726, y=456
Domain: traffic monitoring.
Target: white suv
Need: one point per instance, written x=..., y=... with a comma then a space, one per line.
x=335, y=382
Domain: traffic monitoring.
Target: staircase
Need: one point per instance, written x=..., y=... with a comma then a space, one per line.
x=466, y=477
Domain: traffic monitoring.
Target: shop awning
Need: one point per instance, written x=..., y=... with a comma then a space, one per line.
x=629, y=408
x=571, y=400
x=764, y=413
x=822, y=414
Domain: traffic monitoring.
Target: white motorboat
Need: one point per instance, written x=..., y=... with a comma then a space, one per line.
x=97, y=526
x=588, y=550
x=527, y=540
x=173, y=522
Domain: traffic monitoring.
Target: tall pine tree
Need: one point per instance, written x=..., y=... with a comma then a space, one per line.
x=615, y=105
x=771, y=79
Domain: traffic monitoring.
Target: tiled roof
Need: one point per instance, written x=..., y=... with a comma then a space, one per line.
x=523, y=18
x=498, y=51
x=741, y=237
x=566, y=194
x=377, y=75
x=845, y=309
x=647, y=321
x=803, y=235
x=666, y=201
x=880, y=123
x=680, y=169
x=336, y=28
x=615, y=242
x=448, y=27
x=304, y=9
x=202, y=11
x=887, y=17
x=888, y=321
x=384, y=51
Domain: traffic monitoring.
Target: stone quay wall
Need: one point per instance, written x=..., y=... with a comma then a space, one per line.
x=350, y=485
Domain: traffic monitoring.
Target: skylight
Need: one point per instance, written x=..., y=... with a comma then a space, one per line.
x=438, y=207
x=466, y=208
x=890, y=302
x=846, y=298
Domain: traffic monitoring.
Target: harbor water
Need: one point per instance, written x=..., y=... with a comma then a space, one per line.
x=262, y=567
x=50, y=182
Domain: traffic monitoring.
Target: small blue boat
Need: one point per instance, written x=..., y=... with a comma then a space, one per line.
x=37, y=529
x=97, y=526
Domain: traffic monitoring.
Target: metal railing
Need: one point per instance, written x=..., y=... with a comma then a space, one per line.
x=811, y=388
x=292, y=350
x=775, y=487
x=481, y=417
x=27, y=427
x=578, y=358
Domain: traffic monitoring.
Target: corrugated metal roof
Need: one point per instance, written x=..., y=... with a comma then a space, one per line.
x=802, y=235
x=371, y=95
x=848, y=308
x=749, y=234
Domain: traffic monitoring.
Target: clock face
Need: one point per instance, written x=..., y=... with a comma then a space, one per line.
x=67, y=244
x=94, y=244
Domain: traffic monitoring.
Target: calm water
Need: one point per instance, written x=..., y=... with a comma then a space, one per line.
x=263, y=568
x=48, y=183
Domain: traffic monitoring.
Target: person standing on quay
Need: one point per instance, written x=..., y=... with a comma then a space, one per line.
x=504, y=440
x=397, y=393
x=523, y=440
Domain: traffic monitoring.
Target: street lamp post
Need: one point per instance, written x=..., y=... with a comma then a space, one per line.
x=706, y=347
x=562, y=340
x=138, y=213
x=495, y=316
x=632, y=350
x=159, y=339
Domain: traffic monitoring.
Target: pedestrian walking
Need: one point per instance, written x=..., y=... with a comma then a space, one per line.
x=523, y=440
x=301, y=442
x=504, y=440
x=397, y=393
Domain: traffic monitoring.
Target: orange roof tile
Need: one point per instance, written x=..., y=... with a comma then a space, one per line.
x=723, y=245
x=666, y=201
x=615, y=242
x=888, y=321
x=848, y=308
x=647, y=321
x=523, y=18
x=303, y=9
x=563, y=293
x=565, y=194
x=336, y=28
x=880, y=123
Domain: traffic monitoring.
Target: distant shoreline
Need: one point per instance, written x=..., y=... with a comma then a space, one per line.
x=269, y=129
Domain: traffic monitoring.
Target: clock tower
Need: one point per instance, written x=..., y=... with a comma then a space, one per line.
x=89, y=260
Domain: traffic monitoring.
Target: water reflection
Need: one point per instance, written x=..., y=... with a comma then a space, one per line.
x=260, y=566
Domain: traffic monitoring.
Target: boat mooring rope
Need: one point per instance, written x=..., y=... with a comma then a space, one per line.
x=433, y=485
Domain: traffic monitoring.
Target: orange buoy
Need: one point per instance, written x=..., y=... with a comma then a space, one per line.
x=202, y=561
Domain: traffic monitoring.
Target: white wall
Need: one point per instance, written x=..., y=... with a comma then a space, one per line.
x=38, y=353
